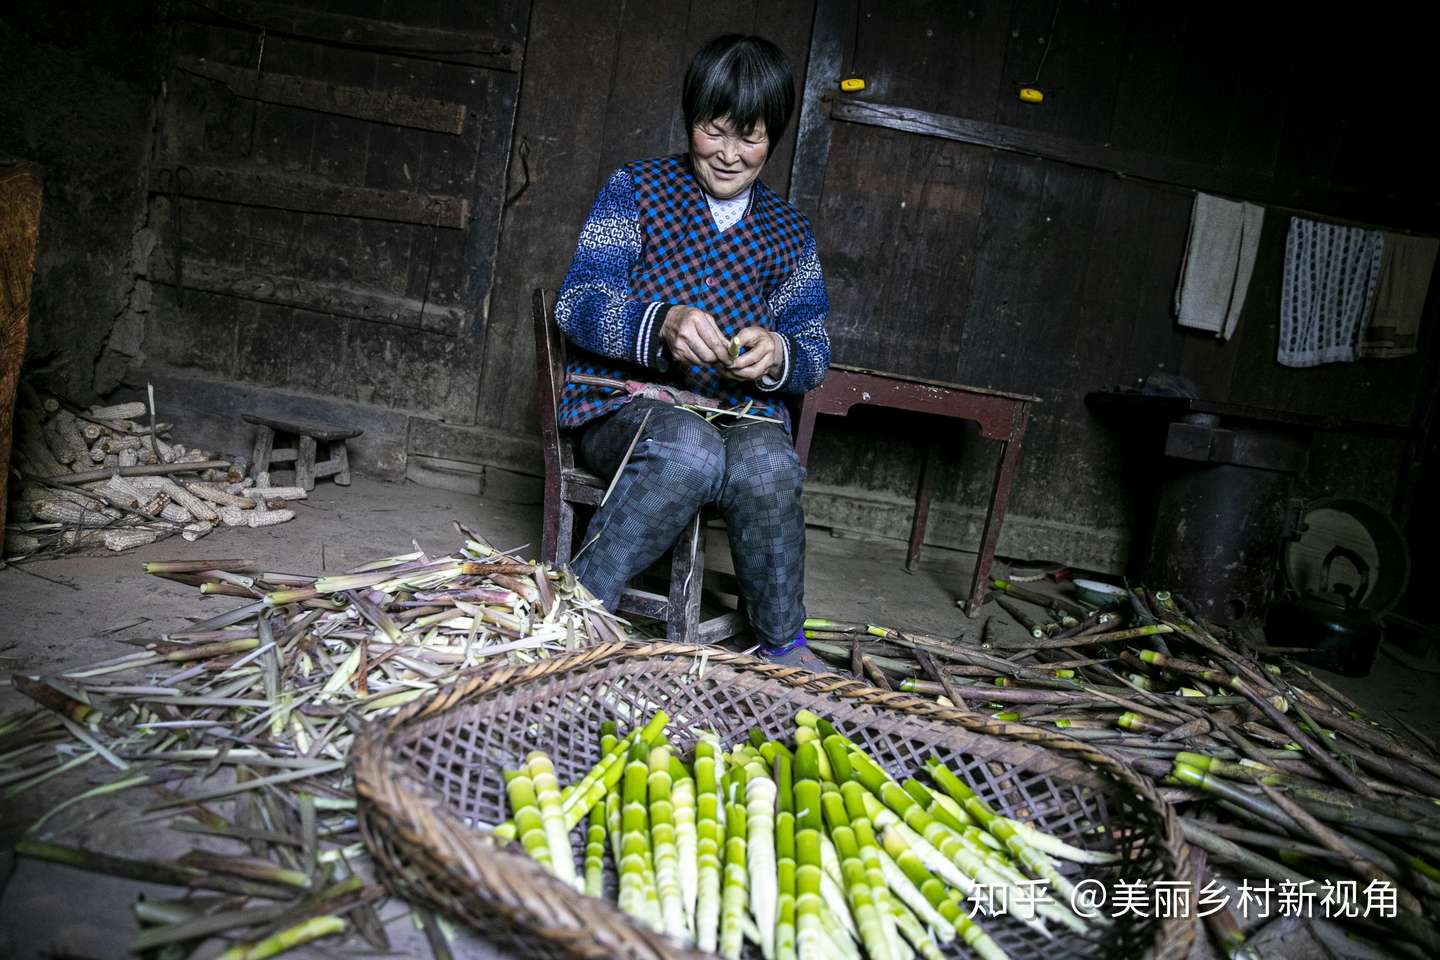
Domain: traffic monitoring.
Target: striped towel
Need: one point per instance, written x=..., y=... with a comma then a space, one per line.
x=1328, y=291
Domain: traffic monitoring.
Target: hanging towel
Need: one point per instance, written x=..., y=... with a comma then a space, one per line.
x=1219, y=258
x=1405, y=271
x=1328, y=291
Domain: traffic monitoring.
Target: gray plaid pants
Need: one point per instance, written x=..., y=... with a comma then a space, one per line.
x=680, y=463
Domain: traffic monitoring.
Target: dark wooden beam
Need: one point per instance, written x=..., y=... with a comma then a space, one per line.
x=812, y=131
x=305, y=195
x=341, y=300
x=381, y=106
x=465, y=47
x=1352, y=206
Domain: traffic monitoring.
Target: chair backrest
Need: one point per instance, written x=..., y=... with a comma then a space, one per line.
x=549, y=354
x=549, y=382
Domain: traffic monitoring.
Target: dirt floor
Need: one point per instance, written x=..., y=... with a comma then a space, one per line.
x=64, y=613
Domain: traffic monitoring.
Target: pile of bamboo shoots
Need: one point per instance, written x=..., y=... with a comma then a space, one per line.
x=1277, y=775
x=810, y=850
x=242, y=724
x=114, y=477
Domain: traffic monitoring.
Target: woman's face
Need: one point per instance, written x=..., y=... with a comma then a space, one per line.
x=726, y=162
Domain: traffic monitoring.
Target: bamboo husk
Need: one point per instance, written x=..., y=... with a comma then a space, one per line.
x=251, y=678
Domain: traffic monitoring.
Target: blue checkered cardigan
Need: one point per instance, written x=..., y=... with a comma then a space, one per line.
x=649, y=243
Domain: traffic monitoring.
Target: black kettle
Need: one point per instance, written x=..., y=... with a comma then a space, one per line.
x=1332, y=623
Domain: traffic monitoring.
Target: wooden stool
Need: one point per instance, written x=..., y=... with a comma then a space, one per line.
x=302, y=453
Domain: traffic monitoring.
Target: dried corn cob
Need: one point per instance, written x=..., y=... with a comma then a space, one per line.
x=114, y=498
x=63, y=511
x=214, y=494
x=21, y=544
x=235, y=517
x=125, y=539
x=269, y=518
x=195, y=531
x=276, y=493
x=198, y=508
x=120, y=411
x=175, y=513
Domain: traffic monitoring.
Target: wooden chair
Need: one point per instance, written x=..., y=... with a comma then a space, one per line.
x=568, y=486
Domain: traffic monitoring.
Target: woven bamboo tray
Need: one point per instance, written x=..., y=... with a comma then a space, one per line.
x=434, y=769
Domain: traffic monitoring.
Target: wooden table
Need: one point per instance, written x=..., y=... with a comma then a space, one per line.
x=1001, y=416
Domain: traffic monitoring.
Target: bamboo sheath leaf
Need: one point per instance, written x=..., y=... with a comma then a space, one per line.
x=784, y=858
x=734, y=892
x=298, y=935
x=637, y=896
x=760, y=792
x=595, y=852
x=52, y=699
x=810, y=939
x=662, y=843
x=862, y=897
x=710, y=840
x=525, y=813
x=682, y=794
x=552, y=818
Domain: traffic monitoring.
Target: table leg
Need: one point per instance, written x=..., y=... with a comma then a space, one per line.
x=805, y=429
x=995, y=515
x=922, y=512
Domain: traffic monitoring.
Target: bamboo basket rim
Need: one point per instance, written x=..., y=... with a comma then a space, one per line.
x=396, y=807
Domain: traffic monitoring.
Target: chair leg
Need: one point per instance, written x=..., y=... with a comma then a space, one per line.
x=341, y=458
x=260, y=456
x=687, y=577
x=305, y=462
x=558, y=535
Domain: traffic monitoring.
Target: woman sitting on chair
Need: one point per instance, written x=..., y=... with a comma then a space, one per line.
x=691, y=274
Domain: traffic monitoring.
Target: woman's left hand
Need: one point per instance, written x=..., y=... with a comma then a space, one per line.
x=761, y=354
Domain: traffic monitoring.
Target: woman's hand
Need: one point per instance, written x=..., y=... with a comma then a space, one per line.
x=692, y=337
x=761, y=355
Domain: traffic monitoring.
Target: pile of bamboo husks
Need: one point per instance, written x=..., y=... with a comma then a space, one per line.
x=1279, y=778
x=114, y=477
x=243, y=723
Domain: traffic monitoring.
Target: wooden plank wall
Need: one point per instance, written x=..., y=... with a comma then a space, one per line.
x=957, y=262
x=943, y=259
x=376, y=311
x=602, y=87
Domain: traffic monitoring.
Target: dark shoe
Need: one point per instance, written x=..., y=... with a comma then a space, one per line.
x=793, y=654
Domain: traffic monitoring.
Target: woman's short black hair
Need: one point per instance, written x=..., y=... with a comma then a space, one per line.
x=744, y=78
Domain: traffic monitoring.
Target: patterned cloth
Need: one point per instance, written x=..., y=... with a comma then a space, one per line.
x=1328, y=291
x=679, y=464
x=651, y=242
x=727, y=213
